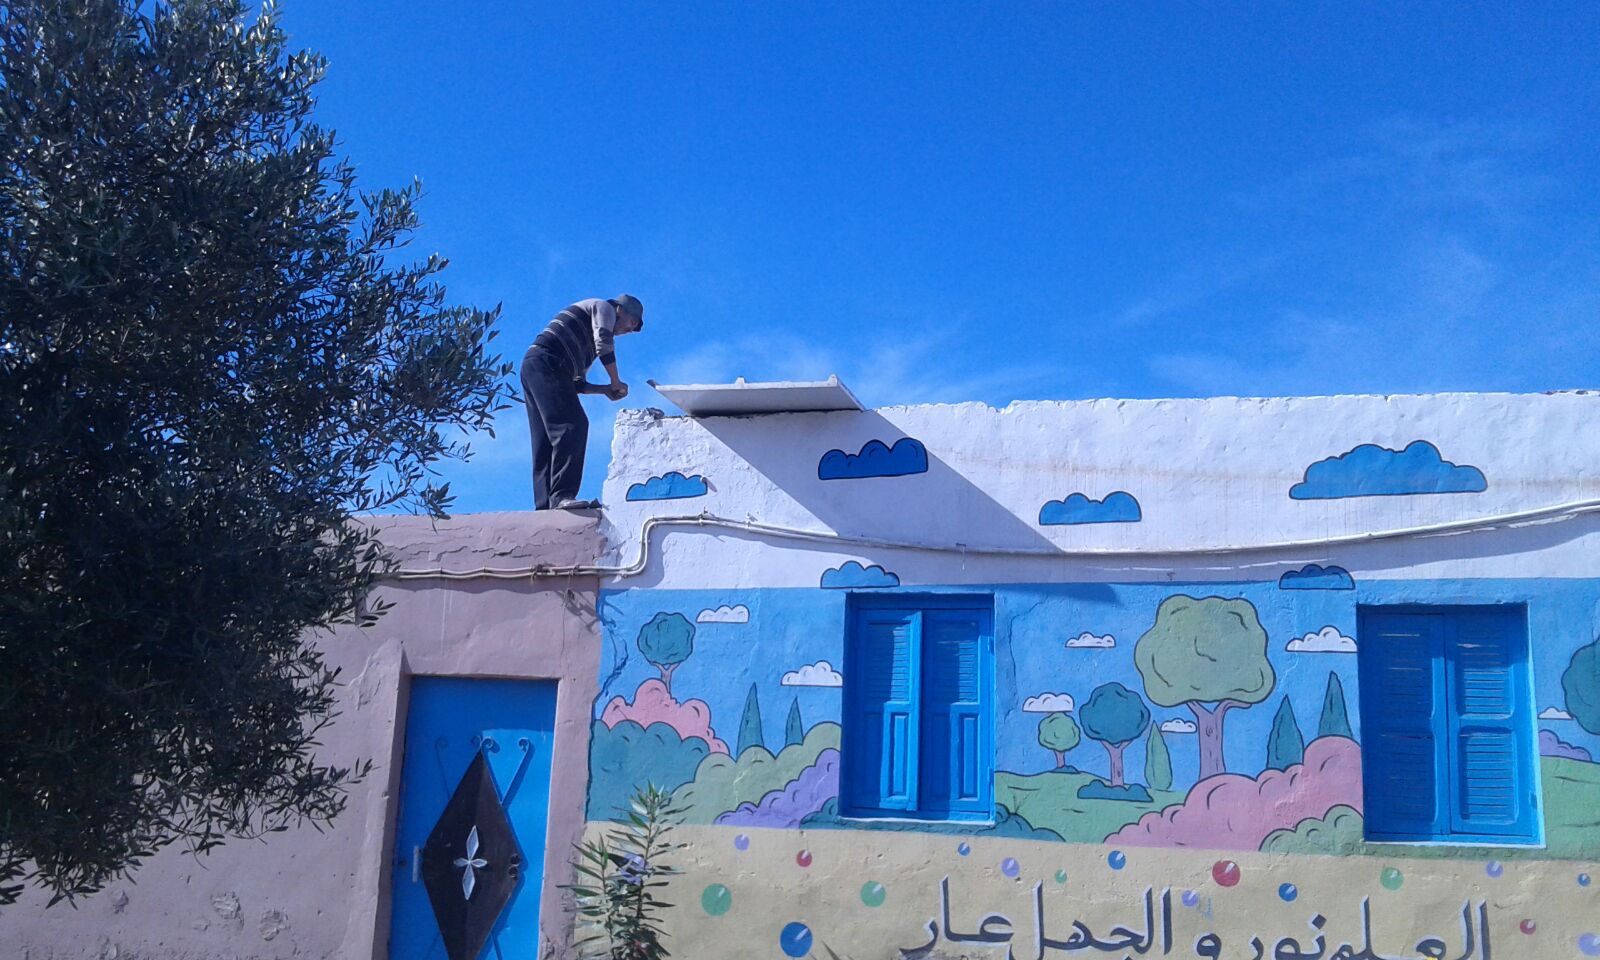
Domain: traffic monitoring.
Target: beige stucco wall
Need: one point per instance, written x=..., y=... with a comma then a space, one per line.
x=311, y=895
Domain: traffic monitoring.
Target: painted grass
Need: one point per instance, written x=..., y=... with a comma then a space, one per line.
x=1050, y=800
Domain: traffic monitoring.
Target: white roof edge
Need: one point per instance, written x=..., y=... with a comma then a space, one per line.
x=742, y=398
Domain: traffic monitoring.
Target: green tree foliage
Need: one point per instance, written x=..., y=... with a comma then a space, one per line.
x=1209, y=655
x=621, y=872
x=214, y=352
x=1335, y=720
x=1058, y=733
x=1581, y=684
x=750, y=723
x=1157, y=760
x=794, y=729
x=1115, y=716
x=1286, y=746
x=666, y=641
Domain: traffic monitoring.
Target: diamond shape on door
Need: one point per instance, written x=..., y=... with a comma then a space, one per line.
x=470, y=863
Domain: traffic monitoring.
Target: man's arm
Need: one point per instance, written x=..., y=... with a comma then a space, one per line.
x=605, y=327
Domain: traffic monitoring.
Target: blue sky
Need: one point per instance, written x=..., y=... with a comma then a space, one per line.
x=997, y=201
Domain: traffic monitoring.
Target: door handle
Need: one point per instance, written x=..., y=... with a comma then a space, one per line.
x=416, y=864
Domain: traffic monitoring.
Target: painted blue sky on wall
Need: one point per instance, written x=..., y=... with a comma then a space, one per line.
x=1040, y=650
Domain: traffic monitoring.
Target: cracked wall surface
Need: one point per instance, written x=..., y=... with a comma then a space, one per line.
x=314, y=895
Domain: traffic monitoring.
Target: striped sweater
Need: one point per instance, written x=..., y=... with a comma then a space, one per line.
x=582, y=333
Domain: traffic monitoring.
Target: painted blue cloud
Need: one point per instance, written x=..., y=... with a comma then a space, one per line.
x=876, y=459
x=853, y=576
x=1373, y=471
x=1118, y=507
x=1314, y=576
x=669, y=486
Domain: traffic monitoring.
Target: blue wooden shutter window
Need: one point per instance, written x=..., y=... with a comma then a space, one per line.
x=1402, y=698
x=955, y=763
x=1492, y=788
x=1448, y=723
x=886, y=713
x=917, y=737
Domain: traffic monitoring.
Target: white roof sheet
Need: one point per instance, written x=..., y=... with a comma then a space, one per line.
x=740, y=398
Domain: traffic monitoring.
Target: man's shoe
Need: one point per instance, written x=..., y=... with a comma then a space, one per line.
x=567, y=503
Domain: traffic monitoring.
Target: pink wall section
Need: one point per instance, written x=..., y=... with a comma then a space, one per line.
x=313, y=895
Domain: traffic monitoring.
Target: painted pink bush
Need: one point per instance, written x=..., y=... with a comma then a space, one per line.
x=1234, y=812
x=804, y=795
x=653, y=704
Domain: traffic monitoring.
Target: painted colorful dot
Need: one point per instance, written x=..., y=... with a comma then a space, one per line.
x=716, y=900
x=873, y=894
x=795, y=940
x=1116, y=859
x=1583, y=879
x=741, y=842
x=1527, y=926
x=1190, y=898
x=1225, y=872
x=1590, y=945
x=1061, y=876
x=1010, y=867
x=1494, y=868
x=803, y=858
x=1287, y=892
x=1391, y=878
x=963, y=849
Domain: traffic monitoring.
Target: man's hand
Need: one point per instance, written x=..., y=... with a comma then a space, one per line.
x=617, y=390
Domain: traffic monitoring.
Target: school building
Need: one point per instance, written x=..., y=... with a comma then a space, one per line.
x=1291, y=678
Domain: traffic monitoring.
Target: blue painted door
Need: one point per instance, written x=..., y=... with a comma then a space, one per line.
x=452, y=841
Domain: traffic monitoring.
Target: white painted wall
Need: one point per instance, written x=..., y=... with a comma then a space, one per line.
x=1207, y=473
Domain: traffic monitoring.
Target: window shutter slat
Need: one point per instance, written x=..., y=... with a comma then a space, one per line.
x=1402, y=698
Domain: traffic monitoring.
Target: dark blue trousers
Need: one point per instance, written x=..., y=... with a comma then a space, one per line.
x=557, y=426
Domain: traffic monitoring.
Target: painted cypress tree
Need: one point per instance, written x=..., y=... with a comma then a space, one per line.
x=1335, y=720
x=1157, y=761
x=1285, y=744
x=794, y=730
x=750, y=723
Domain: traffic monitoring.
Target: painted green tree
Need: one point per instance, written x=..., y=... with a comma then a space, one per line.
x=794, y=729
x=1335, y=720
x=1115, y=716
x=1157, y=761
x=750, y=723
x=1286, y=746
x=1058, y=733
x=1209, y=655
x=1581, y=684
x=666, y=641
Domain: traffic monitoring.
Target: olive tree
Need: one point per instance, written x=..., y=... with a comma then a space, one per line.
x=214, y=351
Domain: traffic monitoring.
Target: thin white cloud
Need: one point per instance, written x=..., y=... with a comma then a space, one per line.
x=1177, y=725
x=1554, y=713
x=819, y=674
x=738, y=613
x=1326, y=640
x=1092, y=642
x=1048, y=703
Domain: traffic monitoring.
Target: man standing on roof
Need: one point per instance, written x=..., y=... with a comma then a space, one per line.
x=553, y=372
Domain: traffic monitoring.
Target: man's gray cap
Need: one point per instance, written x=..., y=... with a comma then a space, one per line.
x=630, y=304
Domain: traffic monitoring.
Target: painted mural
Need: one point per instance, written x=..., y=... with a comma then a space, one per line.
x=1170, y=718
x=1227, y=723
